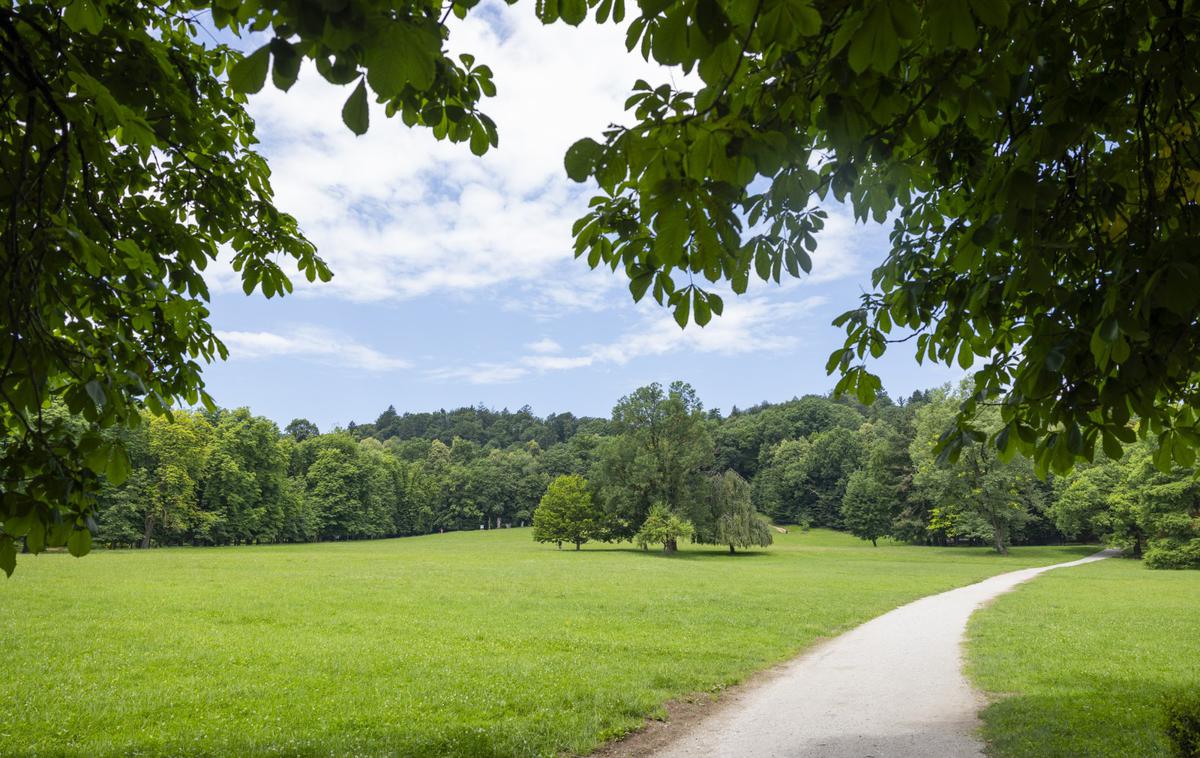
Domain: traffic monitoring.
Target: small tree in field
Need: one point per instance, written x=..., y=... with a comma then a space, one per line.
x=565, y=513
x=868, y=507
x=737, y=523
x=663, y=526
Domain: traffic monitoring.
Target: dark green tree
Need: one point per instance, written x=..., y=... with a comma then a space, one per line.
x=660, y=452
x=732, y=518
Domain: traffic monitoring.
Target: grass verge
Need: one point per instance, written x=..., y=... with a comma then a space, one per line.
x=1079, y=660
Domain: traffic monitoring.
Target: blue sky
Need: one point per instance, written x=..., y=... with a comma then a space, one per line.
x=454, y=279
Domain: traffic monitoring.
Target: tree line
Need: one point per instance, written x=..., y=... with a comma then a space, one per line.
x=660, y=469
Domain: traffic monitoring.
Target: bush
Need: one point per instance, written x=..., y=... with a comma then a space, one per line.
x=1173, y=554
x=1182, y=711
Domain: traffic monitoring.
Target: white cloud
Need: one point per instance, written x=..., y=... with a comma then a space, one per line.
x=309, y=342
x=749, y=325
x=545, y=345
x=398, y=214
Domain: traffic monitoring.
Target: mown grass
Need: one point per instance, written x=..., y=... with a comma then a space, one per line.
x=474, y=644
x=1079, y=660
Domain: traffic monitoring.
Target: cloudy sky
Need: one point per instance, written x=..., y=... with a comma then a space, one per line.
x=454, y=279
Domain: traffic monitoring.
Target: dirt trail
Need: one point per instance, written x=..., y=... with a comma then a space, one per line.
x=891, y=688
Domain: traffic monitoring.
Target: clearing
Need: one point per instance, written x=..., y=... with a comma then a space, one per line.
x=473, y=643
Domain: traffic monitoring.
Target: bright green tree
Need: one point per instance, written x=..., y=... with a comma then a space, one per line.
x=565, y=513
x=662, y=526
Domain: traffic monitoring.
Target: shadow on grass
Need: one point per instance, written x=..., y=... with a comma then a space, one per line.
x=1090, y=716
x=682, y=555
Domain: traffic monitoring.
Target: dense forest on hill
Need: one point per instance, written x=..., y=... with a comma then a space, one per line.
x=229, y=477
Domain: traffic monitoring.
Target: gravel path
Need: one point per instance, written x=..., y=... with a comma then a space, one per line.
x=891, y=688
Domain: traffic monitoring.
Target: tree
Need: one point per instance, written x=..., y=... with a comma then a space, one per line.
x=659, y=453
x=803, y=481
x=301, y=429
x=663, y=526
x=1042, y=179
x=565, y=513
x=734, y=521
x=868, y=507
x=127, y=159
x=1102, y=500
x=982, y=495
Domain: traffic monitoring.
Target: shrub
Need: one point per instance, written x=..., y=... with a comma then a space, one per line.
x=1182, y=711
x=1173, y=554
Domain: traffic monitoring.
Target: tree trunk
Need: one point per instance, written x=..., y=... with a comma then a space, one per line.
x=731, y=550
x=1137, y=545
x=559, y=543
x=578, y=543
x=998, y=538
x=148, y=531
x=874, y=542
x=670, y=546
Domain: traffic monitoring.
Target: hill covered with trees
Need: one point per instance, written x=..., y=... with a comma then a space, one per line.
x=229, y=477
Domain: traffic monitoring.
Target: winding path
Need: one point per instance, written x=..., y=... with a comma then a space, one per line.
x=891, y=688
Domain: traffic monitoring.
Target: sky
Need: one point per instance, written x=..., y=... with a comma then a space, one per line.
x=454, y=278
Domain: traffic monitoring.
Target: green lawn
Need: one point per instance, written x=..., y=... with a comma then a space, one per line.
x=480, y=644
x=1078, y=660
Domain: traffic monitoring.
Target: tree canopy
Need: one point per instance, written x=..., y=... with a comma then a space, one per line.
x=1038, y=162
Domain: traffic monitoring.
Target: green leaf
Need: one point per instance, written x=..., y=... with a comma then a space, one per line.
x=250, y=73
x=581, y=158
x=8, y=555
x=1112, y=447
x=355, y=113
x=402, y=54
x=35, y=541
x=1055, y=358
x=682, y=309
x=118, y=468
x=1110, y=330
x=874, y=44
x=84, y=15
x=286, y=64
x=479, y=140
x=79, y=543
x=96, y=392
x=700, y=308
x=572, y=11
x=991, y=12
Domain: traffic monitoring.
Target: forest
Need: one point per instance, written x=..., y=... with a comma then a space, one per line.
x=660, y=462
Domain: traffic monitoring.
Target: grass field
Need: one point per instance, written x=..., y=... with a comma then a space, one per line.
x=480, y=644
x=1079, y=660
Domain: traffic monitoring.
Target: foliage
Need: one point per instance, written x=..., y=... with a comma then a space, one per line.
x=664, y=527
x=1077, y=662
x=1181, y=712
x=803, y=481
x=1041, y=178
x=982, y=495
x=734, y=521
x=128, y=163
x=868, y=507
x=659, y=452
x=565, y=513
x=1131, y=503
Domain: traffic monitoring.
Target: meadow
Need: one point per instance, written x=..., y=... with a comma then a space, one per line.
x=470, y=643
x=1078, y=662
